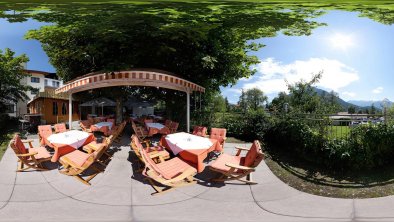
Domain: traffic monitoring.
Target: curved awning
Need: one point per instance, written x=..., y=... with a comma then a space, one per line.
x=129, y=78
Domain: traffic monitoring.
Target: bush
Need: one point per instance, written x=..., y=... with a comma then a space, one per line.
x=7, y=125
x=367, y=147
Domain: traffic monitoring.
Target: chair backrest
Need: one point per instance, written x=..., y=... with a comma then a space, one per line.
x=167, y=123
x=151, y=165
x=85, y=124
x=173, y=127
x=18, y=146
x=254, y=156
x=44, y=131
x=200, y=131
x=60, y=128
x=218, y=134
x=135, y=145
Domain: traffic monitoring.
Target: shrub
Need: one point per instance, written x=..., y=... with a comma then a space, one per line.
x=7, y=125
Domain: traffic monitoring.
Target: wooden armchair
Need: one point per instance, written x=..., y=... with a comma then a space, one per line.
x=29, y=158
x=95, y=146
x=237, y=167
x=77, y=162
x=171, y=174
x=139, y=131
x=85, y=125
x=173, y=127
x=157, y=151
x=200, y=131
x=60, y=128
x=44, y=131
x=220, y=135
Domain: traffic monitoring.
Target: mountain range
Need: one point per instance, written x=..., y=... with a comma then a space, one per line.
x=358, y=104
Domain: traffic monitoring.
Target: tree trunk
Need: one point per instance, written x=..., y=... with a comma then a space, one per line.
x=119, y=110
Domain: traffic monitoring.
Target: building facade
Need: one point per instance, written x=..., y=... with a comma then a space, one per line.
x=40, y=81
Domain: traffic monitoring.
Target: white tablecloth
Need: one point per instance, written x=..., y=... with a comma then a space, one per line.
x=158, y=126
x=101, y=124
x=185, y=141
x=73, y=138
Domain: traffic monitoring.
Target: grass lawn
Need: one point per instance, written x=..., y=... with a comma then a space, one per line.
x=311, y=179
x=3, y=146
x=338, y=131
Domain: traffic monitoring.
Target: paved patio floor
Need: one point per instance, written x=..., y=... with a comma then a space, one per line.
x=120, y=194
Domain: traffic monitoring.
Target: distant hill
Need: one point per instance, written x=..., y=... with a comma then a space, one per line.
x=378, y=104
x=345, y=105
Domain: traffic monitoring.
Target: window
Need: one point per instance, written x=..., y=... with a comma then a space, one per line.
x=10, y=108
x=46, y=82
x=57, y=84
x=64, y=109
x=35, y=79
x=34, y=91
x=53, y=83
x=54, y=108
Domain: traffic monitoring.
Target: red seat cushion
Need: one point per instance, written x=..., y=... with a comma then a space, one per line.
x=220, y=162
x=42, y=153
x=172, y=168
x=78, y=157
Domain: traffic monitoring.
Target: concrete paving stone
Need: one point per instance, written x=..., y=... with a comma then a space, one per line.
x=273, y=191
x=228, y=192
x=64, y=210
x=8, y=166
x=203, y=210
x=70, y=186
x=30, y=177
x=5, y=191
x=107, y=195
x=35, y=193
x=9, y=155
x=7, y=177
x=375, y=207
x=309, y=206
x=141, y=195
x=53, y=175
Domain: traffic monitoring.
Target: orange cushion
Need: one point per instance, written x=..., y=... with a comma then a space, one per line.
x=218, y=134
x=78, y=157
x=42, y=153
x=19, y=145
x=254, y=155
x=220, y=162
x=172, y=168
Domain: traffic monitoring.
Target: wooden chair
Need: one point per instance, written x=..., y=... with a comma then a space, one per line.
x=237, y=167
x=171, y=174
x=158, y=151
x=77, y=162
x=140, y=131
x=167, y=123
x=85, y=125
x=29, y=158
x=44, y=131
x=220, y=135
x=60, y=128
x=173, y=127
x=200, y=131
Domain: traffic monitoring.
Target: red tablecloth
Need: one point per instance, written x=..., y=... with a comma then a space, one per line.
x=195, y=157
x=64, y=147
x=155, y=128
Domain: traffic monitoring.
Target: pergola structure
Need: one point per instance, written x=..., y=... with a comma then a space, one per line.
x=130, y=78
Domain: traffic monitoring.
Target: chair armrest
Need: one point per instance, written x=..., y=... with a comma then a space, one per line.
x=187, y=173
x=154, y=155
x=241, y=148
x=27, y=141
x=27, y=154
x=239, y=167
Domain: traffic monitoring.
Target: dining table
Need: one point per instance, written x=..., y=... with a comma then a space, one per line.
x=191, y=148
x=103, y=127
x=155, y=128
x=68, y=141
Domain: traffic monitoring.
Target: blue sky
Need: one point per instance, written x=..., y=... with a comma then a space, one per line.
x=355, y=55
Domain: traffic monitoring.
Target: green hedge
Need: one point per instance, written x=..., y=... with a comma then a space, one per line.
x=368, y=146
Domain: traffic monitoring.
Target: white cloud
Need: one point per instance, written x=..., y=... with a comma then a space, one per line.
x=233, y=91
x=272, y=74
x=378, y=90
x=349, y=94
